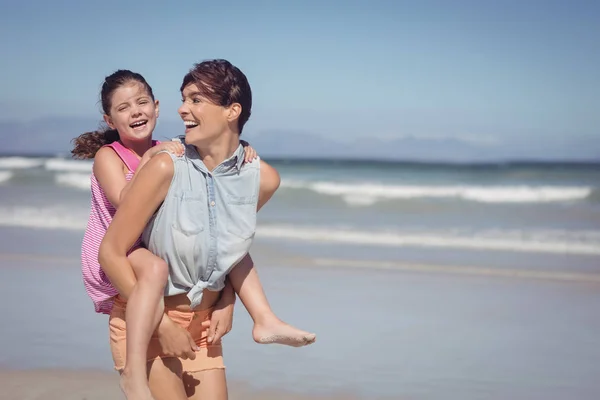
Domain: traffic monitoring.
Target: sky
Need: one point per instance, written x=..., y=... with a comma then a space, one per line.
x=484, y=72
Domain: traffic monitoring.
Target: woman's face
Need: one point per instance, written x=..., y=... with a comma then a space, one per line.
x=203, y=119
x=132, y=112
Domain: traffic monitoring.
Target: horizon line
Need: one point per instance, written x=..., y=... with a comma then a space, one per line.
x=370, y=160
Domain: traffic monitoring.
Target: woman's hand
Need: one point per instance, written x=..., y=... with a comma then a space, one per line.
x=175, y=341
x=221, y=320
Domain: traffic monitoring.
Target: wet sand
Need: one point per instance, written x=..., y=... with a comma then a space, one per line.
x=101, y=385
x=393, y=329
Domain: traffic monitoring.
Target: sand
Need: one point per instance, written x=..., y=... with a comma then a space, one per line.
x=386, y=327
x=99, y=385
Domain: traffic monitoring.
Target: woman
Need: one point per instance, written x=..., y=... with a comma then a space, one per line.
x=197, y=212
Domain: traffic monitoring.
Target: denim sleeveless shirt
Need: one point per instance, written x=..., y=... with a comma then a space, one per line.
x=206, y=224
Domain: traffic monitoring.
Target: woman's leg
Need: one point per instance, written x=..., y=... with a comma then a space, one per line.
x=210, y=384
x=267, y=327
x=144, y=311
x=165, y=379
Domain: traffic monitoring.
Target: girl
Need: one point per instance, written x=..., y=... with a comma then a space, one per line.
x=130, y=111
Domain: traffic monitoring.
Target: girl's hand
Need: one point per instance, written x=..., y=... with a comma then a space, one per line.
x=173, y=147
x=250, y=153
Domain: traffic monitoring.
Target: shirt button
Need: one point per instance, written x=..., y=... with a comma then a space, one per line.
x=212, y=203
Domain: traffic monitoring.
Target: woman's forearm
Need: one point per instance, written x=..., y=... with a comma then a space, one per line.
x=144, y=197
x=117, y=268
x=143, y=161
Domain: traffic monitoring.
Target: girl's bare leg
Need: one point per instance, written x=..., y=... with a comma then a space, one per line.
x=267, y=327
x=145, y=308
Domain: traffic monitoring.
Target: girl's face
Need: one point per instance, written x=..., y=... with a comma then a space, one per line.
x=133, y=113
x=204, y=120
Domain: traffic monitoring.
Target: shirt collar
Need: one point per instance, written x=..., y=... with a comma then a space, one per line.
x=235, y=161
x=240, y=154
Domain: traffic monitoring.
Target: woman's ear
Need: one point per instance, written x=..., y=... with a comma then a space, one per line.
x=234, y=112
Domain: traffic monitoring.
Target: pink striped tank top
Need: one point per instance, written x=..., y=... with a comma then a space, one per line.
x=96, y=283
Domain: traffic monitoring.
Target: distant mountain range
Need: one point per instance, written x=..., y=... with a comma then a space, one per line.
x=53, y=135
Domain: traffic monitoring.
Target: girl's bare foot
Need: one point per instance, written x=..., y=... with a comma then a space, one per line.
x=277, y=331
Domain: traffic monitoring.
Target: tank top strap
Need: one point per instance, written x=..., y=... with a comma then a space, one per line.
x=129, y=159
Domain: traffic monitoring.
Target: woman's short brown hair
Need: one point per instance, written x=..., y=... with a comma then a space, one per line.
x=223, y=84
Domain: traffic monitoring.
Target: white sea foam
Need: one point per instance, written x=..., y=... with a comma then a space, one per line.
x=53, y=217
x=73, y=179
x=20, y=162
x=517, y=241
x=364, y=194
x=60, y=164
x=540, y=241
x=5, y=176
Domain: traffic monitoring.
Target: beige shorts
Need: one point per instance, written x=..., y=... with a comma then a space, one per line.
x=195, y=322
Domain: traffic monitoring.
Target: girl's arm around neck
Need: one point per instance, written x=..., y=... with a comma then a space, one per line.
x=143, y=198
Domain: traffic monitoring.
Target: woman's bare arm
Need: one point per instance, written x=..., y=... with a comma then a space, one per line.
x=143, y=198
x=269, y=183
x=110, y=171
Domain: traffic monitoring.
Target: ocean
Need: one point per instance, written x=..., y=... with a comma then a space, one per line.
x=422, y=281
x=526, y=214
